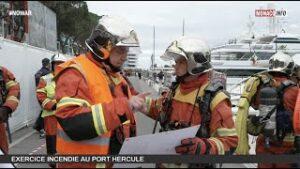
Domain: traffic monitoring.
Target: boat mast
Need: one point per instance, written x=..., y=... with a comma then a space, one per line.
x=183, y=26
x=153, y=54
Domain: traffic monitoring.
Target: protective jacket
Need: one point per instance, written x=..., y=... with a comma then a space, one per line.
x=185, y=112
x=92, y=109
x=10, y=95
x=251, y=97
x=45, y=93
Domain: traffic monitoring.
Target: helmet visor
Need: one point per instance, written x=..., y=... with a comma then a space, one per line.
x=276, y=66
x=131, y=41
x=173, y=53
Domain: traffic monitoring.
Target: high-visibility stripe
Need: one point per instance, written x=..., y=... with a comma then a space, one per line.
x=220, y=147
x=12, y=98
x=190, y=97
x=100, y=165
x=97, y=120
x=126, y=122
x=116, y=81
x=10, y=84
x=98, y=141
x=225, y=132
x=148, y=103
x=50, y=90
x=98, y=117
x=102, y=118
x=41, y=90
x=289, y=138
x=72, y=101
x=45, y=102
x=47, y=113
x=218, y=99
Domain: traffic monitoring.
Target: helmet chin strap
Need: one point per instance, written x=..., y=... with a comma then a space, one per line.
x=97, y=58
x=107, y=62
x=112, y=67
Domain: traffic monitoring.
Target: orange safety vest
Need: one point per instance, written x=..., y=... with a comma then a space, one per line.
x=98, y=84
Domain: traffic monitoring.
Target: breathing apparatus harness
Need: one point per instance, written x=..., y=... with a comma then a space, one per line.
x=273, y=115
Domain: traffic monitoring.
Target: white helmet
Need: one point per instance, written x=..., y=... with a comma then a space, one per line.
x=111, y=31
x=296, y=59
x=58, y=58
x=195, y=51
x=281, y=62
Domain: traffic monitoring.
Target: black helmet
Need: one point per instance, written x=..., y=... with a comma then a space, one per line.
x=45, y=61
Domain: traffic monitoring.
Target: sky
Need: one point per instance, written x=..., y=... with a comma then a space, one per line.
x=213, y=21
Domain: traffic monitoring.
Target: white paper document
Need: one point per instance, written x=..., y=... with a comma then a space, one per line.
x=155, y=144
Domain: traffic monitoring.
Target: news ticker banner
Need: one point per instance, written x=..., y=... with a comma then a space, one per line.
x=151, y=159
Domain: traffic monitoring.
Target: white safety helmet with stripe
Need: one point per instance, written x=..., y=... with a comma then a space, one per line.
x=111, y=31
x=194, y=50
x=58, y=58
x=296, y=59
x=282, y=63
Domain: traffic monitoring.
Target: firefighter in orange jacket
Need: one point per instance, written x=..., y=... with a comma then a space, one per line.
x=45, y=94
x=184, y=107
x=94, y=102
x=10, y=95
x=274, y=95
x=296, y=122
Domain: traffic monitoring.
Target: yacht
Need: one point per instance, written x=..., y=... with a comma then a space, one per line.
x=250, y=53
x=242, y=57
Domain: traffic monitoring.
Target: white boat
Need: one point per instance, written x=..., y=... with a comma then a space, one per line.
x=250, y=54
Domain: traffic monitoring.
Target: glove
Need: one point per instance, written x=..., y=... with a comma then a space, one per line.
x=138, y=102
x=4, y=112
x=254, y=127
x=193, y=146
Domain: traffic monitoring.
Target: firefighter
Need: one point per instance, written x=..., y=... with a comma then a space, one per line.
x=46, y=69
x=296, y=117
x=9, y=99
x=94, y=103
x=45, y=94
x=274, y=95
x=195, y=99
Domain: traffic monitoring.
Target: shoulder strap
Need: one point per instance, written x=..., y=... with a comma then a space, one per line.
x=205, y=108
x=264, y=78
x=283, y=86
x=190, y=97
x=164, y=116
